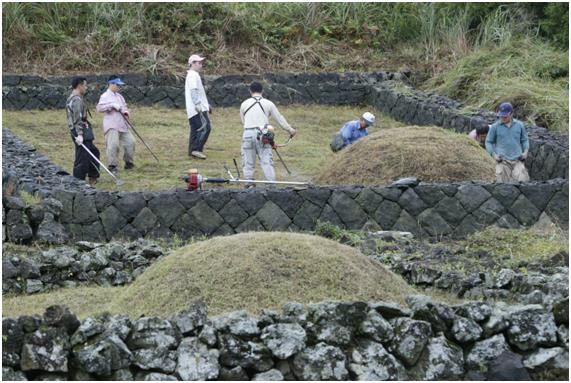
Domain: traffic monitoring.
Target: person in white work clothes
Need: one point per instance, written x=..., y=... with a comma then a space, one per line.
x=255, y=113
x=197, y=108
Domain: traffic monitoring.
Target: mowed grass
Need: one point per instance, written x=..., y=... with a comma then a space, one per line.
x=250, y=271
x=166, y=131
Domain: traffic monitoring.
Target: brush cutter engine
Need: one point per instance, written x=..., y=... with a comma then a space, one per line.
x=266, y=135
x=193, y=180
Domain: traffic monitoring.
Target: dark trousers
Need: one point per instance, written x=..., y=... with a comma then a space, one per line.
x=199, y=132
x=84, y=164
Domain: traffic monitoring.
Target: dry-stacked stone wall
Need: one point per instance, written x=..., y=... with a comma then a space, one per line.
x=85, y=264
x=34, y=92
x=322, y=341
x=455, y=209
x=427, y=340
x=426, y=209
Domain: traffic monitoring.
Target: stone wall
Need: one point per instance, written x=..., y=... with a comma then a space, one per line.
x=85, y=264
x=322, y=341
x=34, y=92
x=427, y=209
x=465, y=272
x=385, y=91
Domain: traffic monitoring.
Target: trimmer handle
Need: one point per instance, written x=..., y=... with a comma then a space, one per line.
x=216, y=180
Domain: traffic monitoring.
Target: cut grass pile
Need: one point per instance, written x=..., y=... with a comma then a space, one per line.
x=248, y=271
x=166, y=131
x=429, y=153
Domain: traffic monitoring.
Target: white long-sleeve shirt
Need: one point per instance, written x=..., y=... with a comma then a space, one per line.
x=255, y=115
x=193, y=81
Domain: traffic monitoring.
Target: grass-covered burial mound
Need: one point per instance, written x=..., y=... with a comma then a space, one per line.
x=250, y=271
x=428, y=153
x=253, y=271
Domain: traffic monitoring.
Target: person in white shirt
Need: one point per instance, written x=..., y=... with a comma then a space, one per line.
x=255, y=113
x=197, y=108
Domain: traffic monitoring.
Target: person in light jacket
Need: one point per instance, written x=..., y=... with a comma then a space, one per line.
x=508, y=144
x=117, y=133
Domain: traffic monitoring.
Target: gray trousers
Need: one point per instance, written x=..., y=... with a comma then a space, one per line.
x=251, y=147
x=511, y=171
x=114, y=141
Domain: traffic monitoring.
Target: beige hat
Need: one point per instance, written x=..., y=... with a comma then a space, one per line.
x=194, y=58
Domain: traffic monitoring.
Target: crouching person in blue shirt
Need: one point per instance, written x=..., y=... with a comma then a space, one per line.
x=507, y=142
x=352, y=131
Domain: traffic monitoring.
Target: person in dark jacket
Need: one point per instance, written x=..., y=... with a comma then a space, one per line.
x=81, y=133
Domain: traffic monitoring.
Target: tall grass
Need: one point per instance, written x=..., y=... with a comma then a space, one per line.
x=158, y=36
x=437, y=39
x=528, y=73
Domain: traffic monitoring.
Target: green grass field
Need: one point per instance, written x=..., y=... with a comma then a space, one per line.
x=166, y=131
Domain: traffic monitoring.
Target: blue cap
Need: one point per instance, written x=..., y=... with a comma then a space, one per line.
x=116, y=81
x=505, y=109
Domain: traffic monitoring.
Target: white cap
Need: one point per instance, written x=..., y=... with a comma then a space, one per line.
x=194, y=58
x=369, y=117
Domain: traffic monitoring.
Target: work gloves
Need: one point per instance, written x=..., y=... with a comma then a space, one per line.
x=118, y=107
x=79, y=140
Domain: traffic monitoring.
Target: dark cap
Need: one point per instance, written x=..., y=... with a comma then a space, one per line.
x=505, y=109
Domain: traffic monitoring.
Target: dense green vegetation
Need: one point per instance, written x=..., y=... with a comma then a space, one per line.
x=158, y=36
x=523, y=47
x=530, y=74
